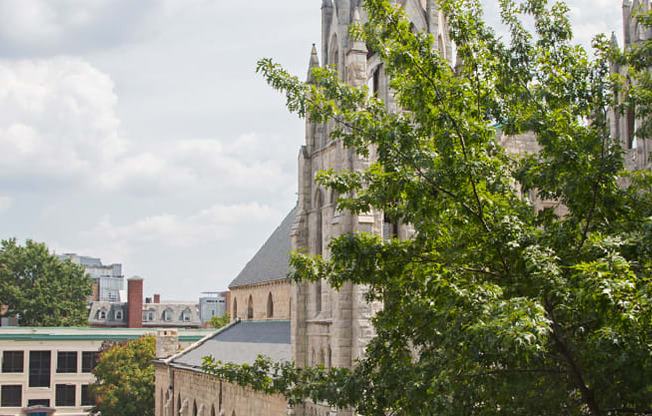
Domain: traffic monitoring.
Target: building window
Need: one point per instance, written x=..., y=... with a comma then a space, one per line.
x=12, y=396
x=118, y=315
x=167, y=315
x=89, y=360
x=150, y=316
x=65, y=395
x=101, y=315
x=12, y=361
x=86, y=399
x=39, y=368
x=235, y=308
x=186, y=315
x=38, y=402
x=250, y=308
x=67, y=362
x=144, y=315
x=270, y=306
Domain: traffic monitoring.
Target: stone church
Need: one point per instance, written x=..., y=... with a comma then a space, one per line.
x=325, y=326
x=332, y=327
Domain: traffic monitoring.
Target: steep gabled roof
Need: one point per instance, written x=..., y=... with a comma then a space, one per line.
x=271, y=261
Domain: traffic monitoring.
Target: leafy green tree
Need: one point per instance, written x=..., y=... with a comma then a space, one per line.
x=494, y=307
x=219, y=321
x=125, y=379
x=42, y=290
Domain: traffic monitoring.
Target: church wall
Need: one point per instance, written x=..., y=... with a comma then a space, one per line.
x=205, y=391
x=259, y=293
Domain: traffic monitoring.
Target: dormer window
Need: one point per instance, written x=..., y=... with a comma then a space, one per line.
x=185, y=316
x=101, y=315
x=118, y=315
x=167, y=315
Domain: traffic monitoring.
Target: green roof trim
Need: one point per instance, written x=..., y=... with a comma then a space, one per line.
x=89, y=337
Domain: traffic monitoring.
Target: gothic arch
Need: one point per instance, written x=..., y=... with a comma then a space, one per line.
x=179, y=405
x=212, y=410
x=194, y=408
x=270, y=306
x=235, y=308
x=250, y=308
x=161, y=403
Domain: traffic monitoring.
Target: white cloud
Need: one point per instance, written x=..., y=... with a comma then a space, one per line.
x=57, y=119
x=6, y=202
x=217, y=223
x=202, y=165
x=43, y=27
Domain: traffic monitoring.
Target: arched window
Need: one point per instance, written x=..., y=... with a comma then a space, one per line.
x=161, y=404
x=179, y=405
x=270, y=306
x=167, y=315
x=330, y=357
x=233, y=413
x=166, y=411
x=212, y=410
x=194, y=408
x=185, y=316
x=235, y=308
x=321, y=360
x=250, y=308
x=101, y=315
x=118, y=315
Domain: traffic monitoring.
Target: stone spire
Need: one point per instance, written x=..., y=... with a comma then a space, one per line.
x=356, y=59
x=314, y=62
x=357, y=45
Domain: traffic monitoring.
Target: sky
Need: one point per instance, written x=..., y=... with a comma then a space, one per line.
x=138, y=131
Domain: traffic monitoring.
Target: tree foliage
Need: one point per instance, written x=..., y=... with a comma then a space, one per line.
x=125, y=379
x=42, y=290
x=494, y=306
x=219, y=321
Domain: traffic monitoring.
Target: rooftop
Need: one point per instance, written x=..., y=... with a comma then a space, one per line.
x=271, y=262
x=240, y=343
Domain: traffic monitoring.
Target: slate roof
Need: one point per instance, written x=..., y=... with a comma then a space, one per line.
x=241, y=343
x=271, y=261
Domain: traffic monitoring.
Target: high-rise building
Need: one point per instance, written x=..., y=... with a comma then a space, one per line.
x=108, y=278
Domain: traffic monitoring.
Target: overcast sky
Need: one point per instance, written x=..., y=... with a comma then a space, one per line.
x=138, y=131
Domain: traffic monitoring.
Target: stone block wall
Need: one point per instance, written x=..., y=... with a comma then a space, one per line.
x=259, y=293
x=209, y=395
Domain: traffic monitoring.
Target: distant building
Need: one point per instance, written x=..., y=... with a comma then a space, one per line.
x=109, y=279
x=213, y=304
x=48, y=370
x=138, y=314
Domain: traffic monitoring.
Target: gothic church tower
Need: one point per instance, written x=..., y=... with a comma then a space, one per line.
x=332, y=327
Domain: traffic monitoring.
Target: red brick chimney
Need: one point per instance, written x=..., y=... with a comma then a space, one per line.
x=157, y=298
x=135, y=302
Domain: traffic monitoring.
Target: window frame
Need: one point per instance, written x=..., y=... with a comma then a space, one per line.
x=37, y=374
x=65, y=394
x=89, y=355
x=65, y=362
x=86, y=399
x=10, y=366
x=5, y=390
